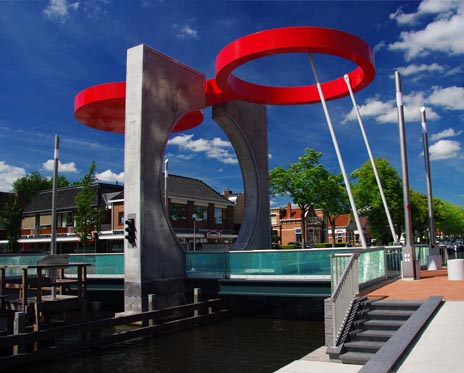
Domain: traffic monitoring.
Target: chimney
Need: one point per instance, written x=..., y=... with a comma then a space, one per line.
x=289, y=210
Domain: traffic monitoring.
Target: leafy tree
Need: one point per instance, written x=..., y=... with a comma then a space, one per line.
x=25, y=190
x=419, y=214
x=11, y=217
x=89, y=215
x=304, y=181
x=334, y=201
x=450, y=218
x=369, y=200
x=28, y=187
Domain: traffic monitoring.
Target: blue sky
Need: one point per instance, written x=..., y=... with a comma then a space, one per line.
x=52, y=49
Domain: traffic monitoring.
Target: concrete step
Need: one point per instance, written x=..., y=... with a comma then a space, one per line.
x=383, y=324
x=389, y=314
x=395, y=304
x=373, y=335
x=355, y=357
x=363, y=346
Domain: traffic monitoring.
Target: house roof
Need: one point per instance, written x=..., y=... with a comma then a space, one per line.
x=342, y=220
x=187, y=188
x=65, y=198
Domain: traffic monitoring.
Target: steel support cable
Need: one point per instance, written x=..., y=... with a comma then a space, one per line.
x=337, y=150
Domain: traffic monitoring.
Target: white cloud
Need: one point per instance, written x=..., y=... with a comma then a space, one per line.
x=387, y=112
x=450, y=132
x=416, y=69
x=110, y=177
x=216, y=148
x=62, y=167
x=444, y=34
x=444, y=149
x=58, y=10
x=451, y=98
x=185, y=31
x=8, y=175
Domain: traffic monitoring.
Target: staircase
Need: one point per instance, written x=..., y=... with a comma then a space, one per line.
x=375, y=322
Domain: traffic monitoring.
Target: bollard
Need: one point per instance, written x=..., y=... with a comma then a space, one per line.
x=18, y=328
x=151, y=307
x=196, y=299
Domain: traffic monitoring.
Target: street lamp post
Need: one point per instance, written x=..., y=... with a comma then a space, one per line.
x=194, y=217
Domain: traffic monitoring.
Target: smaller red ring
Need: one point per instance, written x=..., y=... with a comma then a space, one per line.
x=294, y=40
x=104, y=107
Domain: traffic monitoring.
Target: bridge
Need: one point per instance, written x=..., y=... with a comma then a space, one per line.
x=296, y=273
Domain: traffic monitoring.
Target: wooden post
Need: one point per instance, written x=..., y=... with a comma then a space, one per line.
x=95, y=309
x=36, y=326
x=196, y=299
x=18, y=328
x=151, y=307
x=24, y=290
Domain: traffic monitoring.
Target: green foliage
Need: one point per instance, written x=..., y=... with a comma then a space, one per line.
x=369, y=201
x=11, y=217
x=449, y=218
x=419, y=214
x=28, y=187
x=89, y=215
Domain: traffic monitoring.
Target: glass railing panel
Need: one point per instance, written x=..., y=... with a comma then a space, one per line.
x=206, y=265
x=371, y=265
x=100, y=264
x=20, y=260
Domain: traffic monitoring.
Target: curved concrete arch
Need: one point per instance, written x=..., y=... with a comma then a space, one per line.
x=245, y=124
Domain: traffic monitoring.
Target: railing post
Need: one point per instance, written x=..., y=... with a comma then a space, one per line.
x=196, y=299
x=18, y=328
x=151, y=307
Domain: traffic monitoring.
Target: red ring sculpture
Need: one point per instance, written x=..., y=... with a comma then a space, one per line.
x=103, y=106
x=292, y=40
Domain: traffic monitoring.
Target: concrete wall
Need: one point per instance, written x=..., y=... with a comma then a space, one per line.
x=245, y=124
x=159, y=91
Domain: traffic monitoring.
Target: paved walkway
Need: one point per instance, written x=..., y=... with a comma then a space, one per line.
x=440, y=346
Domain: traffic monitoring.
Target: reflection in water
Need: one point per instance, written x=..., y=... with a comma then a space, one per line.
x=242, y=344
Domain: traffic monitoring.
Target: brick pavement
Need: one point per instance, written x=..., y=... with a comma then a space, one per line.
x=430, y=283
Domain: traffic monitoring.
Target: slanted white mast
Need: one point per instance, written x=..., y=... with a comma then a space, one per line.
x=371, y=157
x=339, y=156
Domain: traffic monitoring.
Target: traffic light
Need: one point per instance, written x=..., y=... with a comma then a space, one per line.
x=130, y=229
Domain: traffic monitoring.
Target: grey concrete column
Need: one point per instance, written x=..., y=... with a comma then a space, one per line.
x=245, y=124
x=159, y=91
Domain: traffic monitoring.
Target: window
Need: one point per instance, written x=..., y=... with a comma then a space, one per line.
x=202, y=213
x=220, y=215
x=273, y=219
x=339, y=237
x=177, y=211
x=121, y=217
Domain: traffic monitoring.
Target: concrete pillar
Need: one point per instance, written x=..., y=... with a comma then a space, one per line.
x=159, y=91
x=245, y=124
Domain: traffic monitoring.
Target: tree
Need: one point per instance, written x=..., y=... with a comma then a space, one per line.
x=25, y=189
x=334, y=201
x=304, y=181
x=28, y=187
x=419, y=214
x=11, y=217
x=369, y=200
x=450, y=219
x=89, y=215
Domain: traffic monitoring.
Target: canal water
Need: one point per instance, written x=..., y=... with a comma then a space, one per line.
x=254, y=344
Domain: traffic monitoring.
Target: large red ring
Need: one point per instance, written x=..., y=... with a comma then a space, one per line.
x=293, y=40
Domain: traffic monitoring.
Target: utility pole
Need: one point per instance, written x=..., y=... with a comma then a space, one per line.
x=434, y=259
x=410, y=271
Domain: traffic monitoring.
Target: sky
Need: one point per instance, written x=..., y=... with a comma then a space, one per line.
x=53, y=49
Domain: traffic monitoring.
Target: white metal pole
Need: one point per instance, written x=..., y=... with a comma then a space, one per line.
x=409, y=270
x=371, y=157
x=433, y=249
x=337, y=150
x=54, y=187
x=166, y=199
